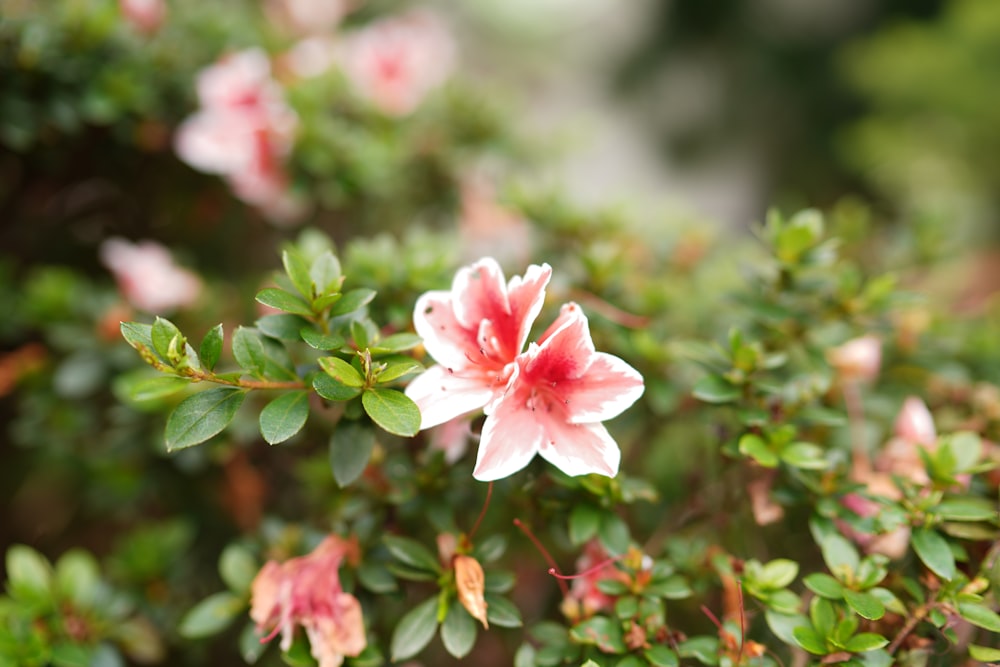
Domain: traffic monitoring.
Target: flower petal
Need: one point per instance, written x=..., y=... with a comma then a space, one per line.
x=510, y=439
x=442, y=395
x=580, y=449
x=449, y=342
x=565, y=350
x=606, y=390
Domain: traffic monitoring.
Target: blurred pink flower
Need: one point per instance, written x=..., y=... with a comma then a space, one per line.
x=243, y=131
x=452, y=438
x=148, y=277
x=585, y=599
x=486, y=226
x=146, y=16
x=558, y=394
x=309, y=17
x=474, y=332
x=914, y=423
x=306, y=591
x=396, y=61
x=858, y=359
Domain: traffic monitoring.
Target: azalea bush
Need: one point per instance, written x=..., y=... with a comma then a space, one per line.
x=365, y=401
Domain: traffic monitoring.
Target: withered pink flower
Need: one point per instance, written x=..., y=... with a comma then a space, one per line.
x=306, y=591
x=474, y=332
x=559, y=392
x=395, y=62
x=858, y=359
x=243, y=132
x=148, y=277
x=146, y=16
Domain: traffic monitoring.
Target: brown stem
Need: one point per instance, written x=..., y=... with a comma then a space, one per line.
x=201, y=376
x=919, y=614
x=613, y=313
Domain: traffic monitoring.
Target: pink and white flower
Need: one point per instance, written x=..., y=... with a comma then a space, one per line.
x=559, y=392
x=306, y=591
x=395, y=62
x=859, y=359
x=244, y=132
x=148, y=277
x=474, y=332
x=146, y=16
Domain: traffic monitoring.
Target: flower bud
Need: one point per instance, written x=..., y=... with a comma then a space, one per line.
x=471, y=581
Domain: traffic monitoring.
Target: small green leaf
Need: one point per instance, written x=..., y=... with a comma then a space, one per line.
x=415, y=630
x=211, y=615
x=934, y=551
x=715, y=389
x=394, y=371
x=866, y=641
x=674, y=587
x=979, y=615
x=284, y=416
x=412, y=553
x=613, y=533
x=967, y=509
x=298, y=272
x=284, y=301
x=601, y=631
x=237, y=567
x=824, y=585
x=325, y=274
x=778, y=573
x=352, y=301
x=78, y=577
x=984, y=653
x=144, y=388
x=661, y=656
x=341, y=371
x=282, y=327
x=392, y=410
x=584, y=521
x=810, y=640
x=202, y=416
x=248, y=348
x=823, y=615
x=399, y=342
x=138, y=335
x=458, y=632
x=65, y=654
x=167, y=339
x=321, y=341
x=211, y=347
x=839, y=554
x=351, y=447
x=753, y=445
x=332, y=390
x=250, y=645
x=376, y=577
x=28, y=570
x=703, y=649
x=804, y=455
x=783, y=625
x=501, y=612
x=866, y=605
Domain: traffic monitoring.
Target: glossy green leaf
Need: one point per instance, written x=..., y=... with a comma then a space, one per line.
x=703, y=649
x=298, y=272
x=333, y=390
x=352, y=301
x=601, y=631
x=584, y=520
x=934, y=551
x=78, y=577
x=325, y=273
x=376, y=577
x=613, y=533
x=661, y=656
x=321, y=341
x=804, y=455
x=202, y=416
x=341, y=371
x=810, y=640
x=248, y=349
x=783, y=625
x=138, y=335
x=414, y=631
x=394, y=371
x=778, y=573
x=979, y=615
x=167, y=339
x=866, y=641
x=984, y=653
x=392, y=410
x=237, y=567
x=282, y=327
x=211, y=615
x=458, y=631
x=412, y=553
x=753, y=445
x=351, y=447
x=284, y=301
x=823, y=584
x=501, y=612
x=284, y=416
x=715, y=389
x=250, y=645
x=865, y=604
x=28, y=570
x=145, y=388
x=839, y=554
x=967, y=509
x=211, y=347
x=398, y=342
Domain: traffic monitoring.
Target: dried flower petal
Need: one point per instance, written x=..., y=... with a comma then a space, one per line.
x=471, y=581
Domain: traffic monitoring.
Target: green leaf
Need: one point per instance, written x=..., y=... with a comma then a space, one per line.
x=237, y=568
x=584, y=521
x=167, y=339
x=250, y=645
x=839, y=554
x=333, y=390
x=248, y=348
x=351, y=447
x=138, y=335
x=627, y=606
x=65, y=654
x=715, y=389
x=674, y=587
x=753, y=445
x=27, y=571
x=352, y=301
x=398, y=342
x=458, y=632
x=298, y=272
x=804, y=455
x=601, y=631
x=778, y=573
x=341, y=371
x=703, y=649
x=810, y=640
x=321, y=341
x=412, y=553
x=284, y=416
x=284, y=301
x=866, y=605
x=202, y=416
x=984, y=653
x=145, y=388
x=967, y=509
x=501, y=612
x=783, y=625
x=499, y=581
x=376, y=577
x=394, y=371
x=392, y=410
x=866, y=641
x=211, y=347
x=824, y=585
x=613, y=533
x=78, y=577
x=325, y=274
x=979, y=615
x=661, y=656
x=211, y=615
x=823, y=615
x=934, y=551
x=282, y=327
x=414, y=631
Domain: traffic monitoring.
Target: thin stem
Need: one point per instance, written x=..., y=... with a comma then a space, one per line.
x=590, y=570
x=613, y=313
x=545, y=554
x=201, y=376
x=482, y=513
x=919, y=614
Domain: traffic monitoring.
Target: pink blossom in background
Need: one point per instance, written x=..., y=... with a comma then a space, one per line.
x=452, y=438
x=395, y=62
x=310, y=57
x=560, y=391
x=486, y=226
x=243, y=131
x=915, y=424
x=474, y=332
x=148, y=277
x=146, y=16
x=858, y=359
x=309, y=17
x=306, y=591
x=585, y=599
